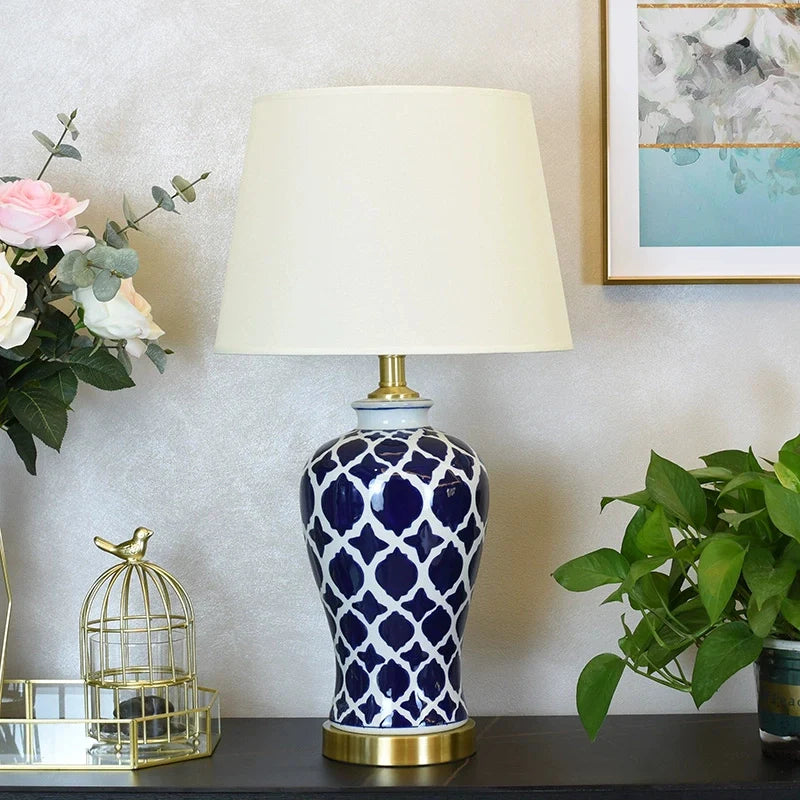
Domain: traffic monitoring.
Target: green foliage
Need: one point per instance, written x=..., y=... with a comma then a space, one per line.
x=709, y=561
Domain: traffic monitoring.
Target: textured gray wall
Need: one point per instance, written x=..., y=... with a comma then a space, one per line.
x=209, y=454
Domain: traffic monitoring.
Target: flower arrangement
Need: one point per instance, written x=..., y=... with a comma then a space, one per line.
x=68, y=308
x=709, y=562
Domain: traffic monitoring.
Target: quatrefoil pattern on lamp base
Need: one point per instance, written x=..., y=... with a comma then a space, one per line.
x=394, y=523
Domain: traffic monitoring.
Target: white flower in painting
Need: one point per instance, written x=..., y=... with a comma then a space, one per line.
x=765, y=112
x=663, y=61
x=670, y=23
x=776, y=36
x=727, y=27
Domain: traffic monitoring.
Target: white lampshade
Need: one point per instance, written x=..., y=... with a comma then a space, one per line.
x=393, y=219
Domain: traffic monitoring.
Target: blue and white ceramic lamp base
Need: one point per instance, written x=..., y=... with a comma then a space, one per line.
x=395, y=515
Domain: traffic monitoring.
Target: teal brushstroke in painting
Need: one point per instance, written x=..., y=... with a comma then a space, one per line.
x=696, y=205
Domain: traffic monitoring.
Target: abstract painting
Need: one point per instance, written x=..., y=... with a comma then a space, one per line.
x=718, y=115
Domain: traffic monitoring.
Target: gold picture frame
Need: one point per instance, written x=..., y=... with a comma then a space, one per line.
x=612, y=275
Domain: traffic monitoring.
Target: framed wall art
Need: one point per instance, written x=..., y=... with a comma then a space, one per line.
x=703, y=141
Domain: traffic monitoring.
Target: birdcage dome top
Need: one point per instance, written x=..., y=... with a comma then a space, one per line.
x=137, y=621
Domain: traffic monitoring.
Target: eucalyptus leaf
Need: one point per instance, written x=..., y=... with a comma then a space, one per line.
x=130, y=216
x=67, y=151
x=113, y=236
x=163, y=199
x=105, y=286
x=65, y=269
x=157, y=356
x=45, y=141
x=185, y=189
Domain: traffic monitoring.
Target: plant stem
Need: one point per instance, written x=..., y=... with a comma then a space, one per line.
x=153, y=210
x=47, y=163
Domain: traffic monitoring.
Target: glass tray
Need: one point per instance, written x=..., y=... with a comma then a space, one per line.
x=43, y=727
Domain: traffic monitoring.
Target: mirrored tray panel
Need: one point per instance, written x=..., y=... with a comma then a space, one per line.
x=43, y=727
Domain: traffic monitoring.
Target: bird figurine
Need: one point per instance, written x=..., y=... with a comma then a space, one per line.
x=132, y=550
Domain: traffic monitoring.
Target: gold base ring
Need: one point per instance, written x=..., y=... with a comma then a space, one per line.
x=398, y=750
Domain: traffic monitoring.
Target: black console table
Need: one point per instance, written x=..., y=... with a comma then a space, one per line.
x=681, y=757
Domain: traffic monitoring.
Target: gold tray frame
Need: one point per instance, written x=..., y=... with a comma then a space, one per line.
x=59, y=740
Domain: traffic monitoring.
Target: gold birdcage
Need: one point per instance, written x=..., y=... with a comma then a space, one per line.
x=138, y=653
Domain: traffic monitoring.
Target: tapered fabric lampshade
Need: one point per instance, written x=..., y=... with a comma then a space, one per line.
x=405, y=219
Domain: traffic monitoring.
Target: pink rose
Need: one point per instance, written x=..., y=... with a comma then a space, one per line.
x=33, y=215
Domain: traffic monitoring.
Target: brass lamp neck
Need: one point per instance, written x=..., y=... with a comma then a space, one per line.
x=392, y=384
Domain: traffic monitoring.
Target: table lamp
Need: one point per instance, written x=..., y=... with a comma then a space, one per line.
x=394, y=220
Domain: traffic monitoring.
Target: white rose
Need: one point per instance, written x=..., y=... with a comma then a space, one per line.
x=127, y=317
x=14, y=330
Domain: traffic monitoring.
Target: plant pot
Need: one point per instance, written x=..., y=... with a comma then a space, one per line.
x=778, y=683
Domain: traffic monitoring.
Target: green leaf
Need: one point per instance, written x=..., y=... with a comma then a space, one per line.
x=23, y=444
x=128, y=213
x=596, y=686
x=9, y=178
x=787, y=470
x=45, y=141
x=157, y=356
x=791, y=612
x=184, y=188
x=675, y=489
x=783, y=507
x=761, y=620
x=40, y=414
x=652, y=591
x=711, y=474
x=735, y=518
x=163, y=199
x=67, y=151
x=592, y=570
x=629, y=547
x=655, y=537
x=764, y=578
x=644, y=567
x=723, y=653
x=62, y=328
x=734, y=460
x=642, y=499
x=123, y=262
x=99, y=368
x=113, y=236
x=66, y=267
x=747, y=480
x=718, y=572
x=792, y=446
x=124, y=359
x=63, y=385
x=105, y=286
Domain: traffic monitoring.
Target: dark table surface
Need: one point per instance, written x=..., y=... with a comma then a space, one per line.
x=681, y=757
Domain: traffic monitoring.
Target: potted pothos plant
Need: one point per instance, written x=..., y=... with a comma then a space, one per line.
x=708, y=563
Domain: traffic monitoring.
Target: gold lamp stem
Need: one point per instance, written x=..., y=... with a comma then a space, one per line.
x=392, y=384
